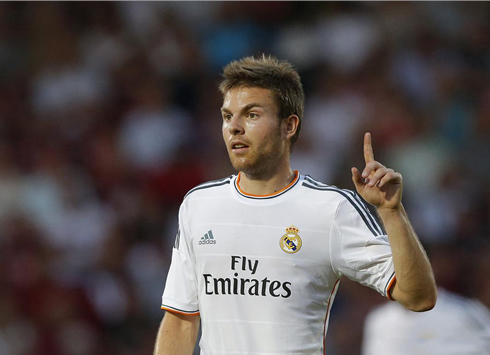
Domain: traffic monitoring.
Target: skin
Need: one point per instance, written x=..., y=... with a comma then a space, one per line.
x=250, y=117
x=415, y=286
x=177, y=334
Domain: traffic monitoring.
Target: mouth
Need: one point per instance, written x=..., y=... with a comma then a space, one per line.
x=239, y=147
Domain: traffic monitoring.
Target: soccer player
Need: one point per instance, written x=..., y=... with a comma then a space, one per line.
x=456, y=326
x=259, y=255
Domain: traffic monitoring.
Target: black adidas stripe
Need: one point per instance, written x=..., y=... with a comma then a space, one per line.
x=350, y=199
x=177, y=239
x=209, y=184
x=374, y=222
x=389, y=281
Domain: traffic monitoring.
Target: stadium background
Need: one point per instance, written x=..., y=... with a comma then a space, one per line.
x=109, y=113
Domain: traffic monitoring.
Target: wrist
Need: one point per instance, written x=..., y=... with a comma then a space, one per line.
x=390, y=211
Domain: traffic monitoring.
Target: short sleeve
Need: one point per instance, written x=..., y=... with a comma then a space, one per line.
x=180, y=294
x=359, y=249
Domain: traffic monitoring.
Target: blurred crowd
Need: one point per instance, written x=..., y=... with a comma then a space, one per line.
x=109, y=114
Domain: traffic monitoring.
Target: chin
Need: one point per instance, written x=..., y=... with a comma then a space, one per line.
x=254, y=165
x=241, y=165
x=252, y=169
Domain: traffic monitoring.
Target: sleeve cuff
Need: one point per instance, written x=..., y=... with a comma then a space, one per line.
x=389, y=286
x=179, y=311
x=178, y=307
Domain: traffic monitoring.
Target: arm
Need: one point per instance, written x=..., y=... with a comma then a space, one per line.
x=415, y=286
x=177, y=334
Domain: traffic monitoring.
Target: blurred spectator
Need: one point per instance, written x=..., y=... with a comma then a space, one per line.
x=153, y=131
x=109, y=114
x=333, y=115
x=10, y=186
x=347, y=40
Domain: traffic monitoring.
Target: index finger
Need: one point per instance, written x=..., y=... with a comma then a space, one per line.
x=368, y=148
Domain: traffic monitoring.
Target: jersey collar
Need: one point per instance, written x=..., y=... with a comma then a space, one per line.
x=269, y=196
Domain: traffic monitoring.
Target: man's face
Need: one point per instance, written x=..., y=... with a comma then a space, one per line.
x=252, y=131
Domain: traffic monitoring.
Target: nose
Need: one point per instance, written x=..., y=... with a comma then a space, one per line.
x=235, y=126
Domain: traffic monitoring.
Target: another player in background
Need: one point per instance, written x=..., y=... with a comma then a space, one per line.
x=259, y=255
x=456, y=326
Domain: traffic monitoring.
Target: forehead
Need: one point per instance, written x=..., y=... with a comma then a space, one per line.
x=239, y=97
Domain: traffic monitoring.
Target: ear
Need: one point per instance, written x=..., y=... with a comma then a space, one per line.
x=290, y=126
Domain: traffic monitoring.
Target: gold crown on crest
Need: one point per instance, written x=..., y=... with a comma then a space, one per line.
x=292, y=229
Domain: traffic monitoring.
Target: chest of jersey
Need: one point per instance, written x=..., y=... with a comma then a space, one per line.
x=289, y=230
x=265, y=257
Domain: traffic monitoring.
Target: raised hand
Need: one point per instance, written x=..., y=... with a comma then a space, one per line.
x=378, y=185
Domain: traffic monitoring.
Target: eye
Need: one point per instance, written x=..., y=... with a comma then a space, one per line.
x=253, y=115
x=226, y=117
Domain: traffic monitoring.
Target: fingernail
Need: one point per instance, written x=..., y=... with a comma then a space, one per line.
x=364, y=174
x=366, y=181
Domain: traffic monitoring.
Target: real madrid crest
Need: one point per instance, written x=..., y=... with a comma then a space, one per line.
x=291, y=242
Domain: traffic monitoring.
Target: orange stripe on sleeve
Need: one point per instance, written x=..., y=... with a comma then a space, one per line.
x=178, y=312
x=389, y=289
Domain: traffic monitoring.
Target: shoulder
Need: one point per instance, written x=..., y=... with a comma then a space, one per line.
x=209, y=188
x=333, y=192
x=350, y=205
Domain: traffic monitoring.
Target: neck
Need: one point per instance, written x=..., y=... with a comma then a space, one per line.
x=266, y=185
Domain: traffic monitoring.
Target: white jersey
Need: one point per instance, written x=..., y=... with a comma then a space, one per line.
x=262, y=271
x=456, y=326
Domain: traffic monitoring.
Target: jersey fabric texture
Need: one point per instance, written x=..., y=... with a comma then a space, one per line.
x=263, y=271
x=456, y=326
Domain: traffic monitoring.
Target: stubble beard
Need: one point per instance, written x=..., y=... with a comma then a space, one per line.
x=258, y=165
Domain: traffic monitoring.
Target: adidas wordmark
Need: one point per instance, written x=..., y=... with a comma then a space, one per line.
x=208, y=238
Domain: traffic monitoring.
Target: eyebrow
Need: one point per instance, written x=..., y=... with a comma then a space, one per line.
x=245, y=108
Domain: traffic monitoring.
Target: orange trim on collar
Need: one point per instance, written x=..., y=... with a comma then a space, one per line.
x=296, y=178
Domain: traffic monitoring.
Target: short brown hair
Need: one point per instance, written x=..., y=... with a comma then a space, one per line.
x=268, y=72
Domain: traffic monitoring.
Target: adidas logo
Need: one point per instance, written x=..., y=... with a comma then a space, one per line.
x=208, y=238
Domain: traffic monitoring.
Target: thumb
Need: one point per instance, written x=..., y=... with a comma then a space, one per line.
x=357, y=178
